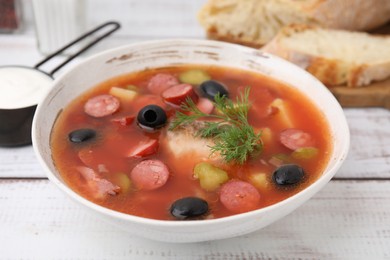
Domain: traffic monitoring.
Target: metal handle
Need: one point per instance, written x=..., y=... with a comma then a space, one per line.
x=115, y=25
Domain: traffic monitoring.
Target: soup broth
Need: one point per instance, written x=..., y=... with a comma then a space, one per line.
x=105, y=151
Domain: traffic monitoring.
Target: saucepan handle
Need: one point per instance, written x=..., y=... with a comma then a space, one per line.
x=115, y=26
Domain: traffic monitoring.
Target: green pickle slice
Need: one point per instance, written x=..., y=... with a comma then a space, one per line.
x=305, y=153
x=210, y=177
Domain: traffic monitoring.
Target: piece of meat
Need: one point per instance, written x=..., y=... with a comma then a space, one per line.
x=86, y=156
x=97, y=186
x=144, y=148
x=239, y=196
x=160, y=82
x=179, y=93
x=183, y=141
x=146, y=100
x=102, y=105
x=149, y=174
x=124, y=120
x=294, y=138
x=205, y=105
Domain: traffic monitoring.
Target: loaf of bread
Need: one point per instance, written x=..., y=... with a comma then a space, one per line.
x=255, y=22
x=335, y=57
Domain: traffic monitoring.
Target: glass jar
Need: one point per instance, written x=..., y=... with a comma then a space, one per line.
x=10, y=14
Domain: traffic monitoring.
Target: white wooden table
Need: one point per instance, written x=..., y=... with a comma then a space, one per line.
x=348, y=219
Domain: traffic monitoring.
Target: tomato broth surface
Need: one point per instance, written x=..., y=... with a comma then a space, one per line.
x=104, y=152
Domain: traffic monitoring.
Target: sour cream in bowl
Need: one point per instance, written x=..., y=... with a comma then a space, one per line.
x=21, y=90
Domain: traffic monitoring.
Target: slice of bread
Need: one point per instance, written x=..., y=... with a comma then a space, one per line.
x=255, y=22
x=335, y=57
x=248, y=22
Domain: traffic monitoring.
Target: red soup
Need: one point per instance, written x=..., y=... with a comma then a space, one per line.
x=190, y=142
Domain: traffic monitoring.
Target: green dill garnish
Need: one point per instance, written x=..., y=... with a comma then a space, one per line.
x=234, y=138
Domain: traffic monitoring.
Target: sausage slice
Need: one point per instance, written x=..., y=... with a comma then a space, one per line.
x=149, y=174
x=239, y=196
x=144, y=148
x=160, y=82
x=179, y=93
x=205, y=105
x=102, y=105
x=294, y=138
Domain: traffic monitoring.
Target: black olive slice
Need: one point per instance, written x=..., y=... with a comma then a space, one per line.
x=211, y=88
x=288, y=174
x=151, y=117
x=189, y=207
x=81, y=135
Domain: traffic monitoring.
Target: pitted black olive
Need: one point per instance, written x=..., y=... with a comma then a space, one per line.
x=189, y=207
x=151, y=117
x=211, y=88
x=81, y=135
x=288, y=174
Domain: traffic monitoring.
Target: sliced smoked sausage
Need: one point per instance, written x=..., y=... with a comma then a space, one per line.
x=239, y=196
x=144, y=148
x=205, y=105
x=102, y=105
x=179, y=93
x=149, y=174
x=160, y=82
x=294, y=138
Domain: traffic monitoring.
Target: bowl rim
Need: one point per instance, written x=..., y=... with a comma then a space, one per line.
x=317, y=184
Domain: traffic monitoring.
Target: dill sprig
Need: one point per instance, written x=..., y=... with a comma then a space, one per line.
x=233, y=136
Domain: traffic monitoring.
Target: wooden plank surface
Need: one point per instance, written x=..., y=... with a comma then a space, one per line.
x=377, y=94
x=346, y=220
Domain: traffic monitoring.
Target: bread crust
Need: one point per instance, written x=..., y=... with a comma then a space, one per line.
x=225, y=19
x=359, y=15
x=248, y=22
x=330, y=71
x=213, y=35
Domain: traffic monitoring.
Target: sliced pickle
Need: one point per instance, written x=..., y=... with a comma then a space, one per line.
x=279, y=159
x=123, y=181
x=210, y=177
x=305, y=153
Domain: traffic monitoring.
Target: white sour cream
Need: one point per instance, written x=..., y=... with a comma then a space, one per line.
x=22, y=87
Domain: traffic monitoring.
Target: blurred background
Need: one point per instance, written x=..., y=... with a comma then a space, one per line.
x=46, y=25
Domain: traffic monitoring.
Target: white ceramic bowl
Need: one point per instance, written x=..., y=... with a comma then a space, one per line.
x=143, y=55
